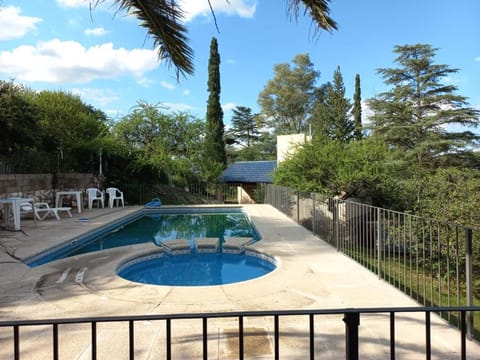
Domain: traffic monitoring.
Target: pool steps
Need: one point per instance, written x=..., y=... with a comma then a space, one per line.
x=206, y=245
x=176, y=247
x=232, y=245
x=236, y=245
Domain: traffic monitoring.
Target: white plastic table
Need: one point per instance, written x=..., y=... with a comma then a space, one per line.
x=78, y=196
x=14, y=204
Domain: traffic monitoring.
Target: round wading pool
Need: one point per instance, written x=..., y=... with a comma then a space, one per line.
x=196, y=269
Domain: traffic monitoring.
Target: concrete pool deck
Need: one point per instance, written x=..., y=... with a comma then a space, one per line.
x=311, y=275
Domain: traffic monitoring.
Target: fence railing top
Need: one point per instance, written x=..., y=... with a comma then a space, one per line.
x=368, y=310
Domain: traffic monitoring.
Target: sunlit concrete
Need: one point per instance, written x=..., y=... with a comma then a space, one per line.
x=311, y=275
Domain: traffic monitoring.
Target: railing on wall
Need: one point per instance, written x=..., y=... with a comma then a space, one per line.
x=436, y=263
x=205, y=337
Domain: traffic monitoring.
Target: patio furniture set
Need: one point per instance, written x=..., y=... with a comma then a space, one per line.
x=15, y=207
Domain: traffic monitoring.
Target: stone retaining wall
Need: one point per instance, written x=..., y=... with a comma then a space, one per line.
x=42, y=187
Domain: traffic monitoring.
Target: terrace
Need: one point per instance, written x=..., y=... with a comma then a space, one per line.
x=296, y=311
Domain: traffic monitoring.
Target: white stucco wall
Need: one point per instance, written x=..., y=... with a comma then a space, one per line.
x=286, y=145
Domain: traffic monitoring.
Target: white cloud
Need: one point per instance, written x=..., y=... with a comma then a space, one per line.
x=109, y=5
x=477, y=58
x=453, y=79
x=178, y=106
x=366, y=113
x=145, y=82
x=98, y=31
x=57, y=61
x=14, y=25
x=228, y=106
x=186, y=92
x=98, y=96
x=167, y=85
x=74, y=3
x=194, y=8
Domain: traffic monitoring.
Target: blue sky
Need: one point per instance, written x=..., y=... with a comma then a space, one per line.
x=108, y=60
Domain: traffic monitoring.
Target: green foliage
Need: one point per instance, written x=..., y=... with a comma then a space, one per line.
x=18, y=119
x=331, y=116
x=65, y=121
x=419, y=114
x=245, y=128
x=421, y=117
x=453, y=195
x=264, y=149
x=167, y=146
x=70, y=127
x=214, y=150
x=51, y=125
x=361, y=169
x=246, y=140
x=287, y=100
x=311, y=168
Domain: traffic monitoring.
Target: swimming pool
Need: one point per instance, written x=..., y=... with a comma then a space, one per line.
x=197, y=269
x=157, y=226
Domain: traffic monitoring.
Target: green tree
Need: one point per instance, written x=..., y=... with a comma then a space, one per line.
x=332, y=111
x=452, y=195
x=163, y=21
x=421, y=116
x=18, y=119
x=263, y=149
x=73, y=128
x=167, y=145
x=245, y=126
x=214, y=146
x=361, y=169
x=357, y=109
x=287, y=100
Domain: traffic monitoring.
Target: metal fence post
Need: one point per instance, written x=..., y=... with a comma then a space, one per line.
x=335, y=222
x=313, y=214
x=298, y=207
x=352, y=321
x=469, y=279
x=379, y=244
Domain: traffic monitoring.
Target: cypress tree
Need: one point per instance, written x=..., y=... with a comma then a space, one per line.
x=357, y=109
x=214, y=143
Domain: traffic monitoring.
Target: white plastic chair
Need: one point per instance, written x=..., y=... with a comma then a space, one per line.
x=114, y=195
x=94, y=194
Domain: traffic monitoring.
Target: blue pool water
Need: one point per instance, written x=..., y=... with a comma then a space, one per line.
x=196, y=269
x=157, y=227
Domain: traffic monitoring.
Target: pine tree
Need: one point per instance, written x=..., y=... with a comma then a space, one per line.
x=215, y=152
x=420, y=116
x=245, y=127
x=357, y=109
x=331, y=115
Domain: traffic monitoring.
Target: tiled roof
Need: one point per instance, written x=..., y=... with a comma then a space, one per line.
x=249, y=172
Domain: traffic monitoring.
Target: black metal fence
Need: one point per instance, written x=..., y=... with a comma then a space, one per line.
x=436, y=263
x=197, y=193
x=205, y=337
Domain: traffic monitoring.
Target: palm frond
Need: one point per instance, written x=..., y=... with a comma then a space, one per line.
x=317, y=9
x=163, y=21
